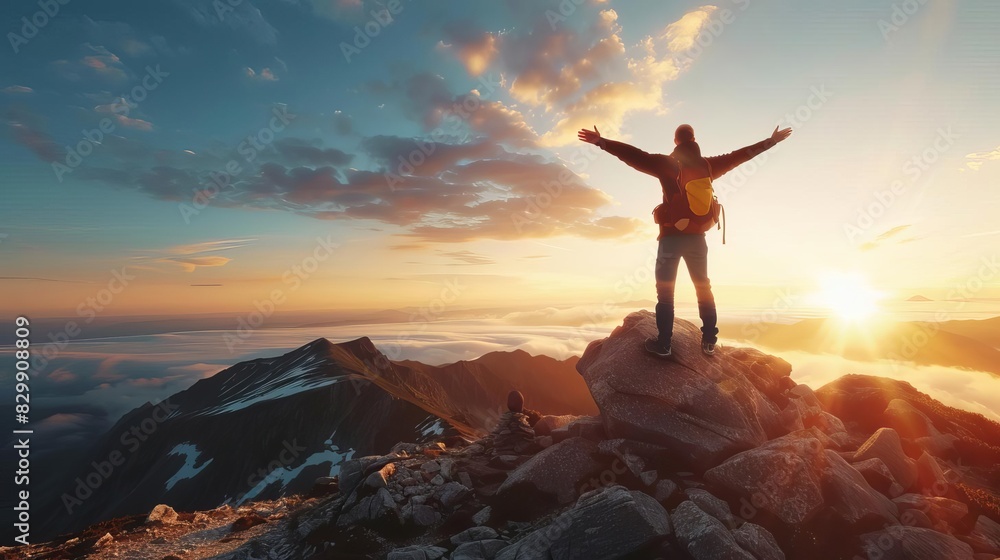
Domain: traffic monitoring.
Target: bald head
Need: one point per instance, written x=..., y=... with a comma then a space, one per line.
x=684, y=133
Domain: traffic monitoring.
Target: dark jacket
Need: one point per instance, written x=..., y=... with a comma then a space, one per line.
x=666, y=169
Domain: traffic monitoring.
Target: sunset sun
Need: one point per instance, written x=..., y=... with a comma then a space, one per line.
x=848, y=296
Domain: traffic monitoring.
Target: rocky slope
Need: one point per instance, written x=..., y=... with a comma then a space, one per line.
x=693, y=458
x=269, y=427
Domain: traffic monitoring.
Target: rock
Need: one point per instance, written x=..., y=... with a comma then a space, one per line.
x=425, y=516
x=938, y=509
x=663, y=490
x=380, y=478
x=352, y=471
x=807, y=403
x=482, y=516
x=479, y=550
x=448, y=468
x=914, y=543
x=876, y=473
x=377, y=507
x=832, y=427
x=985, y=536
x=557, y=472
x=465, y=479
x=758, y=541
x=915, y=518
x=431, y=467
x=546, y=424
x=507, y=462
x=714, y=507
x=474, y=534
x=648, y=477
x=323, y=486
x=452, y=494
x=851, y=497
x=544, y=441
x=629, y=521
x=908, y=422
x=513, y=435
x=515, y=401
x=704, y=409
x=703, y=536
x=437, y=480
x=884, y=444
x=106, y=540
x=163, y=514
x=402, y=448
x=245, y=522
x=415, y=490
x=780, y=477
x=418, y=553
x=619, y=448
x=930, y=478
x=587, y=427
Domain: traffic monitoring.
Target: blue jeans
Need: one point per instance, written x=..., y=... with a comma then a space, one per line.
x=694, y=250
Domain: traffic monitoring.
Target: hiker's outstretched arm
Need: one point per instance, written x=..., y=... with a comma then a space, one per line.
x=653, y=164
x=725, y=163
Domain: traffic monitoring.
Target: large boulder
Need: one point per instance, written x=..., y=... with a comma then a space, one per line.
x=704, y=409
x=546, y=424
x=556, y=472
x=607, y=523
x=703, y=536
x=780, y=477
x=850, y=496
x=758, y=541
x=938, y=509
x=985, y=536
x=914, y=543
x=885, y=444
x=795, y=477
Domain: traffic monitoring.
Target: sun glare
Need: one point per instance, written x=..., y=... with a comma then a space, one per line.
x=848, y=296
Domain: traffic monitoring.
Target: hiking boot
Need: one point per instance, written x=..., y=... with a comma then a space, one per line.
x=657, y=348
x=708, y=348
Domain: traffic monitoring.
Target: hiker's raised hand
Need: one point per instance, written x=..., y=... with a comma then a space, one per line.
x=779, y=135
x=589, y=136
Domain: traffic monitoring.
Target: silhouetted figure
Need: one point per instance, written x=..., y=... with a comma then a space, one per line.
x=685, y=177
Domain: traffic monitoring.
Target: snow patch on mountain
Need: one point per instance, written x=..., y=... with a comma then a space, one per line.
x=190, y=468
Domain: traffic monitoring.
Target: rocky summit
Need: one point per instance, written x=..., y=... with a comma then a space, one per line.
x=690, y=458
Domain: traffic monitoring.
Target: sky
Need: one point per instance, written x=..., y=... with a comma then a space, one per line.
x=197, y=156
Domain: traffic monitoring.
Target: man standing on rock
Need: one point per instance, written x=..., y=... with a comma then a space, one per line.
x=683, y=168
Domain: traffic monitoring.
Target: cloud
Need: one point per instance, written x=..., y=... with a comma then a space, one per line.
x=127, y=40
x=97, y=62
x=886, y=236
x=681, y=34
x=114, y=109
x=17, y=89
x=27, y=131
x=209, y=246
x=190, y=264
x=297, y=150
x=342, y=123
x=468, y=258
x=265, y=75
x=243, y=17
x=191, y=257
x=577, y=72
x=975, y=161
